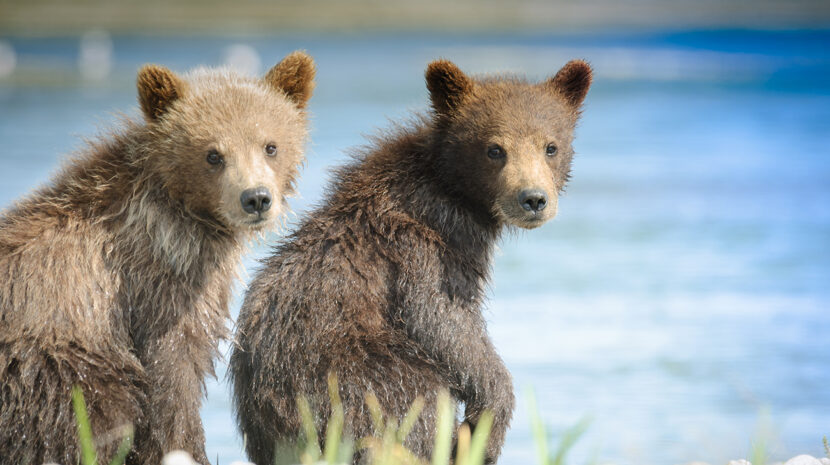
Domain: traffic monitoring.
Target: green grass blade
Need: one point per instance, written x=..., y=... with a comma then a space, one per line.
x=462, y=444
x=411, y=417
x=443, y=435
x=334, y=431
x=826, y=447
x=124, y=448
x=478, y=445
x=758, y=454
x=334, y=393
x=334, y=428
x=540, y=436
x=569, y=438
x=312, y=446
x=346, y=451
x=88, y=454
x=759, y=449
x=377, y=413
x=389, y=442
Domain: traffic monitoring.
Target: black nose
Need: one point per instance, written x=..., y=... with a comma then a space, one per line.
x=256, y=200
x=533, y=200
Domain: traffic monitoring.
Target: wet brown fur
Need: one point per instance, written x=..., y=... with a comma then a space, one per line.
x=383, y=284
x=116, y=276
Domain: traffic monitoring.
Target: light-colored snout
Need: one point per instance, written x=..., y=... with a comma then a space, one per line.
x=250, y=195
x=530, y=196
x=529, y=208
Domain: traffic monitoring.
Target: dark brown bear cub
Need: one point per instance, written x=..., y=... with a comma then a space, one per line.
x=116, y=276
x=383, y=285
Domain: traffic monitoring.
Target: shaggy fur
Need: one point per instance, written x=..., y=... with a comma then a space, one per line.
x=383, y=284
x=116, y=276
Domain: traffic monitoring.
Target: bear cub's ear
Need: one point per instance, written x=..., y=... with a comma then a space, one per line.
x=448, y=86
x=572, y=82
x=158, y=87
x=294, y=75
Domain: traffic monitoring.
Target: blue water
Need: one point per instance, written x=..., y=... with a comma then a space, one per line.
x=681, y=291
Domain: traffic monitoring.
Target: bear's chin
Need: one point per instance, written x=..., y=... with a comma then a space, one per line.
x=523, y=220
x=252, y=223
x=528, y=224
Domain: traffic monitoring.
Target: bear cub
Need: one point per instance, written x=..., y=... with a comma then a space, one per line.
x=116, y=276
x=383, y=284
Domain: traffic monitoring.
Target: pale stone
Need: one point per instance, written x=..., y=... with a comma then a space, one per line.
x=178, y=457
x=803, y=460
x=739, y=462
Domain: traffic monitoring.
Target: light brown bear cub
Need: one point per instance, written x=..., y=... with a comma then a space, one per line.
x=116, y=276
x=383, y=284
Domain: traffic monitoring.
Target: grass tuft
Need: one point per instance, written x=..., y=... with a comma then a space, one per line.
x=384, y=447
x=339, y=447
x=89, y=454
x=311, y=453
x=569, y=437
x=478, y=445
x=443, y=435
x=411, y=417
x=759, y=448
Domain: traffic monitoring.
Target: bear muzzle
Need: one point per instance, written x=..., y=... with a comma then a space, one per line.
x=529, y=208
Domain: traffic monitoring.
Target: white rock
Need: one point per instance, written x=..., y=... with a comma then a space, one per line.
x=824, y=461
x=739, y=462
x=178, y=457
x=241, y=463
x=803, y=460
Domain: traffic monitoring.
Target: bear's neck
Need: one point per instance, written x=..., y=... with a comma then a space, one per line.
x=165, y=238
x=406, y=170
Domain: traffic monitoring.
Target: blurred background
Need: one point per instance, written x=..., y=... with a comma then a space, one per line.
x=683, y=289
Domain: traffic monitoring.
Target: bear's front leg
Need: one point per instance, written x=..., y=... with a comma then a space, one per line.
x=489, y=387
x=455, y=336
x=175, y=370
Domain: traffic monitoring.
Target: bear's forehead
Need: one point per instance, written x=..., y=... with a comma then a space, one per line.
x=254, y=107
x=520, y=108
x=253, y=97
x=531, y=97
x=214, y=87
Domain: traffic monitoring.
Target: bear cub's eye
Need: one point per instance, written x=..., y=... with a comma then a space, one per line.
x=213, y=157
x=495, y=152
x=271, y=150
x=550, y=150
